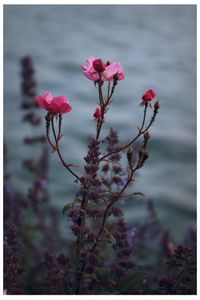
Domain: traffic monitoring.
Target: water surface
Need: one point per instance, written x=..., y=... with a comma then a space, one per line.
x=156, y=44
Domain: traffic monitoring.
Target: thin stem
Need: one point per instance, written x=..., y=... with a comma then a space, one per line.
x=48, y=139
x=59, y=154
x=100, y=123
x=112, y=91
x=102, y=105
x=101, y=100
x=59, y=127
x=141, y=131
x=78, y=250
x=108, y=91
x=151, y=122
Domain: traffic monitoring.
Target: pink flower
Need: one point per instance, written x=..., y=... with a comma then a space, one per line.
x=148, y=97
x=97, y=113
x=89, y=70
x=96, y=68
x=113, y=71
x=57, y=105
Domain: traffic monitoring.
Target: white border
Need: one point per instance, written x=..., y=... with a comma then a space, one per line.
x=103, y=2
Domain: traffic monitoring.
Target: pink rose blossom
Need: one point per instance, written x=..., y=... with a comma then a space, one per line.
x=113, y=71
x=97, y=114
x=89, y=70
x=57, y=105
x=97, y=68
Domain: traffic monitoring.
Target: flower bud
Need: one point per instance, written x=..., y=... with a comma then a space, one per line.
x=130, y=155
x=97, y=113
x=143, y=154
x=147, y=135
x=157, y=105
x=149, y=95
x=98, y=65
x=147, y=98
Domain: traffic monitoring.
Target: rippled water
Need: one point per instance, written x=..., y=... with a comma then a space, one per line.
x=156, y=45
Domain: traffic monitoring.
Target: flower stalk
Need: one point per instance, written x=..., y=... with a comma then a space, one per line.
x=96, y=192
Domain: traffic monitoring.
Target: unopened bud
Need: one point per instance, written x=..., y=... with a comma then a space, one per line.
x=157, y=105
x=143, y=154
x=147, y=135
x=146, y=155
x=130, y=155
x=97, y=113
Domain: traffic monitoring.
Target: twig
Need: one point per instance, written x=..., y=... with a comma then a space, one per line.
x=141, y=131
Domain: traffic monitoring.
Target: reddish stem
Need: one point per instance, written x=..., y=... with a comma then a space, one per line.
x=141, y=131
x=59, y=153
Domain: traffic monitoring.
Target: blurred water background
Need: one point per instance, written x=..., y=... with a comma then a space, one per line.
x=156, y=45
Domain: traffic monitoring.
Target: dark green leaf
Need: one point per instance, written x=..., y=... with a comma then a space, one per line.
x=111, y=239
x=137, y=194
x=101, y=273
x=66, y=207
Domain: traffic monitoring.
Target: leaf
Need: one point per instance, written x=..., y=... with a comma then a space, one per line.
x=101, y=273
x=130, y=281
x=91, y=276
x=112, y=240
x=66, y=207
x=133, y=194
x=137, y=194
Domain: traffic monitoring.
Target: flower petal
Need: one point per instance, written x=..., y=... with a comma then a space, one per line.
x=60, y=105
x=42, y=102
x=91, y=75
x=113, y=69
x=48, y=96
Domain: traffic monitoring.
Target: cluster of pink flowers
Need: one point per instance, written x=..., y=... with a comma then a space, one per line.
x=96, y=69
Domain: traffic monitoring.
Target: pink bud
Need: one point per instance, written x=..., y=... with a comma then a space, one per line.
x=97, y=114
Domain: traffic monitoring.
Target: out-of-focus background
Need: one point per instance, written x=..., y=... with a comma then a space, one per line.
x=156, y=45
